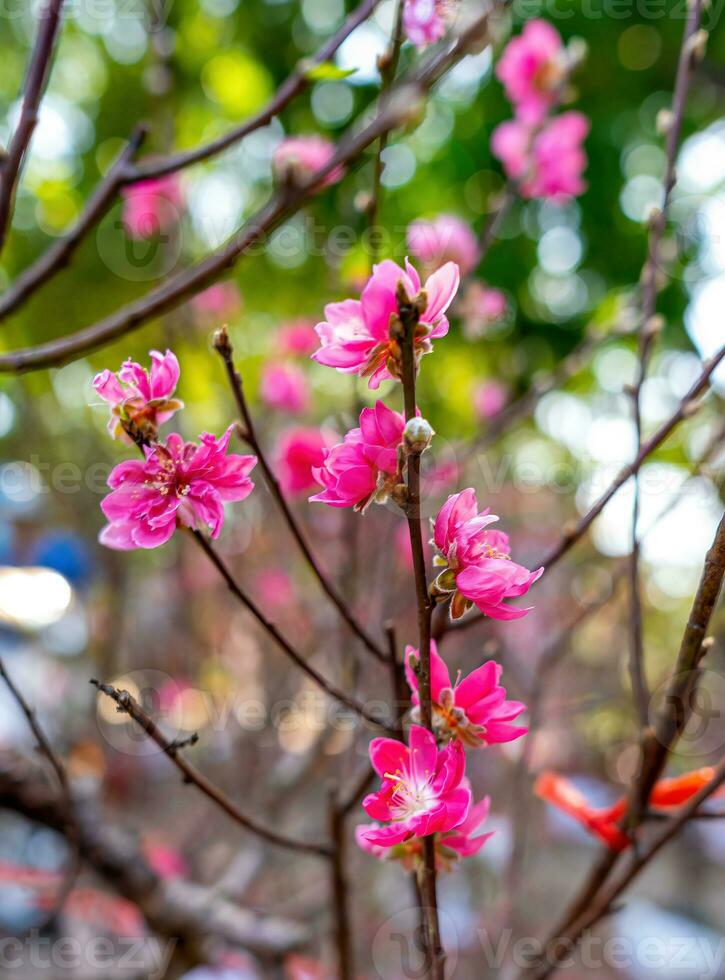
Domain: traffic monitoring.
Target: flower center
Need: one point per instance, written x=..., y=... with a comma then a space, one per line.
x=410, y=797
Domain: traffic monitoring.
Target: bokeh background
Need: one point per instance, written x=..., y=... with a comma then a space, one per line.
x=161, y=625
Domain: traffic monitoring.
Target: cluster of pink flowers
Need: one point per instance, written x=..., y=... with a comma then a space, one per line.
x=177, y=483
x=478, y=569
x=542, y=153
x=138, y=398
x=359, y=337
x=363, y=467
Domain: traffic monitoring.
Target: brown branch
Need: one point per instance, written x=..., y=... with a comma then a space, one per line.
x=649, y=330
x=127, y=703
x=402, y=104
x=62, y=778
x=339, y=889
x=223, y=346
x=177, y=909
x=388, y=65
x=294, y=85
x=348, y=700
x=408, y=316
x=58, y=256
x=34, y=86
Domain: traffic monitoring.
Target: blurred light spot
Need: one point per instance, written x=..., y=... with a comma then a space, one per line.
x=463, y=81
x=360, y=51
x=399, y=165
x=434, y=131
x=332, y=102
x=323, y=15
x=565, y=418
x=238, y=82
x=681, y=368
x=614, y=368
x=657, y=401
x=639, y=196
x=639, y=47
x=704, y=321
x=559, y=251
x=20, y=487
x=215, y=204
x=7, y=414
x=701, y=163
x=67, y=637
x=643, y=158
x=219, y=8
x=612, y=439
x=553, y=215
x=562, y=297
x=62, y=131
x=288, y=244
x=33, y=597
x=126, y=43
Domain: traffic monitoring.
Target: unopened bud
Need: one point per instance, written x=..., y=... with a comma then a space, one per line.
x=576, y=52
x=697, y=44
x=220, y=341
x=399, y=495
x=664, y=121
x=654, y=326
x=417, y=435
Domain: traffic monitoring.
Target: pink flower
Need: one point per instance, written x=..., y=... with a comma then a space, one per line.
x=422, y=792
x=276, y=589
x=489, y=398
x=450, y=846
x=219, y=301
x=479, y=307
x=300, y=451
x=548, y=163
x=151, y=206
x=363, y=467
x=479, y=569
x=140, y=397
x=474, y=709
x=532, y=69
x=445, y=238
x=356, y=336
x=285, y=388
x=298, y=158
x=179, y=483
x=425, y=21
x=297, y=338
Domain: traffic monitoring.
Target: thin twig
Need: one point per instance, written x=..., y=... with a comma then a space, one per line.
x=408, y=313
x=388, y=65
x=34, y=86
x=686, y=409
x=327, y=686
x=649, y=330
x=58, y=256
x=223, y=346
x=403, y=102
x=127, y=703
x=294, y=85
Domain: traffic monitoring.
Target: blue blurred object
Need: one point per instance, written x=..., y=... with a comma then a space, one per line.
x=64, y=552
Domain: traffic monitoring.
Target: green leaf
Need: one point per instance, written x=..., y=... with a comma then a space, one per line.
x=326, y=71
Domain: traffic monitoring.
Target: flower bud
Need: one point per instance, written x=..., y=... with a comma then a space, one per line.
x=417, y=435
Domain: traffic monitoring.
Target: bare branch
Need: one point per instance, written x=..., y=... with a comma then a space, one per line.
x=58, y=256
x=35, y=80
x=348, y=700
x=294, y=85
x=223, y=346
x=403, y=103
x=128, y=704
